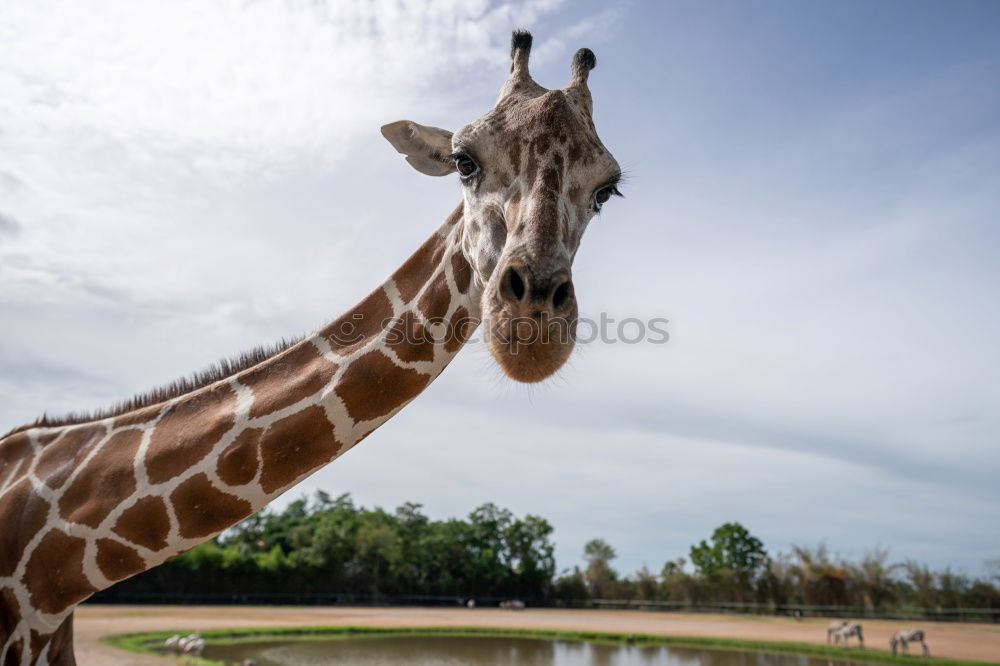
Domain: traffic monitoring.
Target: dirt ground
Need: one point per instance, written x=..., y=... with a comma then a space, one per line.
x=963, y=641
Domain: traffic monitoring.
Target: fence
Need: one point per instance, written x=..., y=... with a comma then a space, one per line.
x=803, y=610
x=113, y=596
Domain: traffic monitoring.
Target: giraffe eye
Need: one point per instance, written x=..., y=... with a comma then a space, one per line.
x=466, y=166
x=602, y=195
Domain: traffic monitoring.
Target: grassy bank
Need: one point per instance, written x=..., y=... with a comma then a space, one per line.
x=148, y=641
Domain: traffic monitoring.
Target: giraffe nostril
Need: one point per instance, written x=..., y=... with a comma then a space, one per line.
x=560, y=295
x=516, y=284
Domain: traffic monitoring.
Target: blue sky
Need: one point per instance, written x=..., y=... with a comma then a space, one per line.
x=811, y=201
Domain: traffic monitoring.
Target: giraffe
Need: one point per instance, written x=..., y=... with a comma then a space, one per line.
x=903, y=639
x=91, y=499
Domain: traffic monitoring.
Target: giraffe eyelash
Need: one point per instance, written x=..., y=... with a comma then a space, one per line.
x=615, y=182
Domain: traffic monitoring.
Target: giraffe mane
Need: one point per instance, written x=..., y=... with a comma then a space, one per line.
x=217, y=371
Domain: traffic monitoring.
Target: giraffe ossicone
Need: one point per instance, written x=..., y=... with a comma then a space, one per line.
x=89, y=500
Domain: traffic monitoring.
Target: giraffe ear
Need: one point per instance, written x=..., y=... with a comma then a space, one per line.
x=426, y=148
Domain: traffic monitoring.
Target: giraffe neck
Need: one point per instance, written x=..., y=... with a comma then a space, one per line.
x=97, y=502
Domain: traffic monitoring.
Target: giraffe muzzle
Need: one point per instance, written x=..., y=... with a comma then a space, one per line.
x=531, y=321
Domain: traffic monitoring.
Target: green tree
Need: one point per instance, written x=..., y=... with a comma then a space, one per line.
x=486, y=548
x=530, y=555
x=820, y=580
x=873, y=577
x=646, y=583
x=733, y=560
x=333, y=547
x=570, y=588
x=677, y=584
x=598, y=550
x=600, y=576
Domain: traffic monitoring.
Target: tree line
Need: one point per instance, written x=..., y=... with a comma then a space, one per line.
x=327, y=549
x=333, y=547
x=733, y=566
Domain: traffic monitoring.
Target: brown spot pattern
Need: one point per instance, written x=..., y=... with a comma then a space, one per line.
x=105, y=482
x=44, y=438
x=289, y=377
x=413, y=274
x=204, y=510
x=57, y=461
x=296, y=445
x=22, y=514
x=514, y=152
x=531, y=168
x=410, y=340
x=541, y=143
x=186, y=434
x=138, y=416
x=237, y=465
x=512, y=214
x=374, y=386
x=459, y=330
x=15, y=451
x=436, y=298
x=37, y=641
x=357, y=327
x=54, y=573
x=461, y=271
x=14, y=654
x=10, y=612
x=117, y=561
x=145, y=523
x=552, y=180
x=61, y=644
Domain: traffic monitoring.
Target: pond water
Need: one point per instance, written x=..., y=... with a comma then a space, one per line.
x=482, y=651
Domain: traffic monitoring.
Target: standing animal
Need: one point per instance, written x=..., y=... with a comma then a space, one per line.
x=848, y=630
x=903, y=639
x=190, y=644
x=833, y=628
x=194, y=647
x=91, y=499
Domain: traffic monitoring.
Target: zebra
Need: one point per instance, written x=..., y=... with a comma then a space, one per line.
x=190, y=644
x=905, y=637
x=848, y=630
x=833, y=628
x=195, y=646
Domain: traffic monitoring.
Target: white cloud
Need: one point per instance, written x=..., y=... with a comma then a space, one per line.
x=226, y=86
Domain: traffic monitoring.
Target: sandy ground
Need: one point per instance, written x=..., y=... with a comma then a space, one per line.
x=964, y=641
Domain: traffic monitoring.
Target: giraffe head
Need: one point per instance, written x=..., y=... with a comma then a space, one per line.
x=533, y=174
